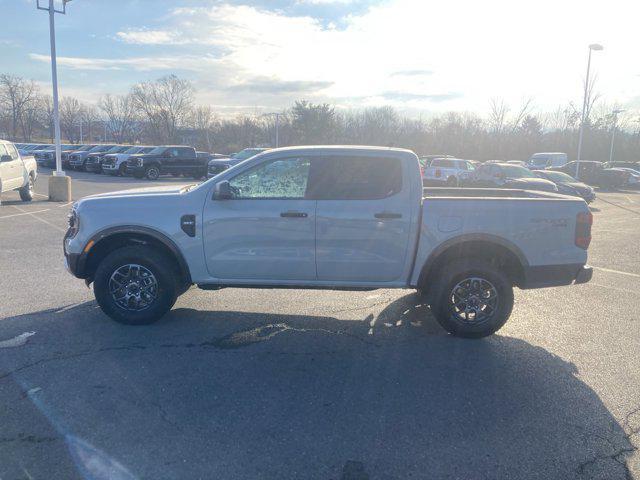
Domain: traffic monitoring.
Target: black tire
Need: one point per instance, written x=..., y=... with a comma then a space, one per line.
x=454, y=276
x=158, y=264
x=122, y=170
x=26, y=192
x=452, y=182
x=152, y=172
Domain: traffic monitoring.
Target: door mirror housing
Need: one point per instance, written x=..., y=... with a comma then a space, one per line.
x=6, y=158
x=222, y=191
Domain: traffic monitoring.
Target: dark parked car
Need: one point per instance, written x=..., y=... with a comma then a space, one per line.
x=174, y=160
x=66, y=156
x=507, y=175
x=93, y=163
x=568, y=185
x=594, y=173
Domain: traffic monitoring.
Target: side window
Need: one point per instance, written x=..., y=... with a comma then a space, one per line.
x=3, y=151
x=11, y=150
x=286, y=178
x=173, y=152
x=356, y=178
x=185, y=152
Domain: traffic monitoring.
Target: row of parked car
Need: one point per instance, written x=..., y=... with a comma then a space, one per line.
x=137, y=160
x=547, y=172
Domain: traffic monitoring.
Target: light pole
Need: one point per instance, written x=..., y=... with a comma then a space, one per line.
x=613, y=133
x=59, y=183
x=592, y=47
x=277, y=115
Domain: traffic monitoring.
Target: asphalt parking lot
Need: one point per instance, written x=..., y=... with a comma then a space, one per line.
x=288, y=384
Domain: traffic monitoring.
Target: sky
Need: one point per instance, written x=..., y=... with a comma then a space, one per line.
x=422, y=57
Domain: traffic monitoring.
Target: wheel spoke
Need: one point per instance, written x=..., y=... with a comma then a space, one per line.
x=133, y=287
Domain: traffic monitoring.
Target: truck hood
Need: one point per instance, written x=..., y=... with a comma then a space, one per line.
x=535, y=183
x=148, y=191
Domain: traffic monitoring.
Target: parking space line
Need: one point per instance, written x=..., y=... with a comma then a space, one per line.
x=635, y=275
x=41, y=219
x=25, y=213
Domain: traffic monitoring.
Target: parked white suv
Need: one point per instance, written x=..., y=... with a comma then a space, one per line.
x=540, y=161
x=16, y=172
x=447, y=171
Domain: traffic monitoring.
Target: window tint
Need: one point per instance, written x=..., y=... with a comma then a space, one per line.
x=286, y=178
x=3, y=151
x=355, y=178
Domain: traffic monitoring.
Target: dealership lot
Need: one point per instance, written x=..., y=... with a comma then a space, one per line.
x=313, y=384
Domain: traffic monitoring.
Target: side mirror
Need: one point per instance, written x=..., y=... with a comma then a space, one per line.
x=222, y=191
x=6, y=158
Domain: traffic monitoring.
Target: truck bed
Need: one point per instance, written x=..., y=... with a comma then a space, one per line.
x=489, y=193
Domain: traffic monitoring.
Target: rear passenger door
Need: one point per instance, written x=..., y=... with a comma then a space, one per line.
x=363, y=218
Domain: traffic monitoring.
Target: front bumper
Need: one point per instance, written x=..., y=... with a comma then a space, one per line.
x=556, y=275
x=134, y=170
x=93, y=167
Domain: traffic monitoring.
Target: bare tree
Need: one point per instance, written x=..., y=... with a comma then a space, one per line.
x=166, y=104
x=71, y=111
x=17, y=96
x=122, y=118
x=203, y=120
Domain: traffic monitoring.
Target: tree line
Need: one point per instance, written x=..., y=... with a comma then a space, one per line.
x=164, y=111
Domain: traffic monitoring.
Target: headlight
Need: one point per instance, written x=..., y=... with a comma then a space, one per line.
x=74, y=223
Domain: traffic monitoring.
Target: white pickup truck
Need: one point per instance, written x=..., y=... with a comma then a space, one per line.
x=352, y=218
x=17, y=172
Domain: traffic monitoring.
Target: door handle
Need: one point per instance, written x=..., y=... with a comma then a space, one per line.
x=291, y=214
x=388, y=215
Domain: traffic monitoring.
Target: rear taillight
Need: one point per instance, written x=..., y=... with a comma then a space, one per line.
x=438, y=173
x=584, y=220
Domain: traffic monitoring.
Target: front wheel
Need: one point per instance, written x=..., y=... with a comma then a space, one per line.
x=122, y=170
x=473, y=298
x=26, y=192
x=152, y=173
x=135, y=285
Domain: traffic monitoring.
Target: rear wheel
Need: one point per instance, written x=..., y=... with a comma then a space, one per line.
x=135, y=285
x=473, y=298
x=26, y=192
x=452, y=181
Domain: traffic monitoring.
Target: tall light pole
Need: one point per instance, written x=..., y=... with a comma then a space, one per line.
x=59, y=188
x=613, y=133
x=277, y=115
x=592, y=47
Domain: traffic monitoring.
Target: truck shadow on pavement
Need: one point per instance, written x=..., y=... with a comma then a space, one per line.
x=227, y=394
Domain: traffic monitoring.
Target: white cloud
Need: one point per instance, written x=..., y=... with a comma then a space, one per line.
x=152, y=37
x=140, y=64
x=418, y=55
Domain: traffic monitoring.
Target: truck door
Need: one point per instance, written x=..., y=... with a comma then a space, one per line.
x=267, y=230
x=11, y=168
x=363, y=218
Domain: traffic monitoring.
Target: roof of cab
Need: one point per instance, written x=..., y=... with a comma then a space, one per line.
x=319, y=149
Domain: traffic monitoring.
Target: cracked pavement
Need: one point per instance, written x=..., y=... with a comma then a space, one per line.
x=289, y=384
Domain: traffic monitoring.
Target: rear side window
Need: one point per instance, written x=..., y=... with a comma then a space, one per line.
x=12, y=151
x=355, y=178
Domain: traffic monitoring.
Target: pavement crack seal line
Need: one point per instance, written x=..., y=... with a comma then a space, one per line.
x=619, y=454
x=619, y=206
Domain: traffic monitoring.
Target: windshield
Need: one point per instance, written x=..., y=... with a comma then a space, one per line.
x=515, y=171
x=247, y=153
x=132, y=150
x=559, y=177
x=157, y=150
